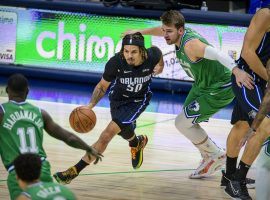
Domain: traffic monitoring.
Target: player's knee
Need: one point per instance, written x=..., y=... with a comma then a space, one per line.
x=182, y=123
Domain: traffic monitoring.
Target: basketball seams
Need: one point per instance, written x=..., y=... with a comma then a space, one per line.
x=82, y=119
x=92, y=113
x=81, y=124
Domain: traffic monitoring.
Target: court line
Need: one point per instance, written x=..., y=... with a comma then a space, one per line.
x=130, y=172
x=153, y=123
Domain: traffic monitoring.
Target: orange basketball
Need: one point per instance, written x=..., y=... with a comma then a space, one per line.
x=82, y=119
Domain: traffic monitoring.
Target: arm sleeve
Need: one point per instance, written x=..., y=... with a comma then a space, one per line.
x=156, y=55
x=214, y=54
x=110, y=71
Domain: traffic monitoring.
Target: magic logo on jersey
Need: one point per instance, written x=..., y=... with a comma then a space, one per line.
x=135, y=80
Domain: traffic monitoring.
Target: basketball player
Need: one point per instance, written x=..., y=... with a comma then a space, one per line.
x=28, y=169
x=129, y=73
x=21, y=131
x=253, y=60
x=211, y=91
x=263, y=173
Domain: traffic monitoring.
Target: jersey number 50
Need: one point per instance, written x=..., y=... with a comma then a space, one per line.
x=136, y=88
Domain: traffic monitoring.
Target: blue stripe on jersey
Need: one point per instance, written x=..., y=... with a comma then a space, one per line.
x=138, y=111
x=260, y=48
x=245, y=96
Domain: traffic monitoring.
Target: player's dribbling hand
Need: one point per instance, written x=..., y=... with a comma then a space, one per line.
x=248, y=135
x=128, y=32
x=93, y=152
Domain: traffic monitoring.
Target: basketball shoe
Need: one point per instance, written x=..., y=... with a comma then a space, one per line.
x=67, y=176
x=137, y=152
x=209, y=165
x=237, y=189
x=225, y=181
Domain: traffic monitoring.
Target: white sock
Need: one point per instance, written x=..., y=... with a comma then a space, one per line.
x=208, y=146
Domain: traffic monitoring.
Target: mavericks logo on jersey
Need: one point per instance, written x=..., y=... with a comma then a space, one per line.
x=194, y=106
x=22, y=115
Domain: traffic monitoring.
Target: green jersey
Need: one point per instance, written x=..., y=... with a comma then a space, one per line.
x=207, y=74
x=21, y=131
x=48, y=191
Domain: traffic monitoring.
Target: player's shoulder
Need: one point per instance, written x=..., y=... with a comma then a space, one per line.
x=114, y=60
x=153, y=50
x=263, y=14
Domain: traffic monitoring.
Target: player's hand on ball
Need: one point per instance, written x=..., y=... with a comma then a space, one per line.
x=93, y=152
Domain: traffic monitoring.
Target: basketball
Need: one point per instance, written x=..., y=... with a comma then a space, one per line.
x=82, y=119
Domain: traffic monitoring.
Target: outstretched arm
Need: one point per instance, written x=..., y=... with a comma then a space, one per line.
x=69, y=138
x=156, y=31
x=99, y=92
x=196, y=49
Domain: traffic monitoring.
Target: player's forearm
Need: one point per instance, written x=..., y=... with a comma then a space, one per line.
x=156, y=31
x=74, y=141
x=254, y=63
x=98, y=93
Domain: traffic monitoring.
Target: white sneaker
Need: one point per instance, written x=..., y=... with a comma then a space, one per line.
x=209, y=165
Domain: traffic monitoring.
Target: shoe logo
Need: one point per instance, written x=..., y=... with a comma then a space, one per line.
x=235, y=192
x=137, y=100
x=145, y=70
x=125, y=72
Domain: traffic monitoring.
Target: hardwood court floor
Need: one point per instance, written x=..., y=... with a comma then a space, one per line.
x=168, y=160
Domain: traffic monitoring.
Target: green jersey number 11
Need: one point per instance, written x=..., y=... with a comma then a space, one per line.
x=23, y=136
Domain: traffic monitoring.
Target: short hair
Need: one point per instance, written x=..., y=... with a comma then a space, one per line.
x=173, y=17
x=17, y=83
x=28, y=167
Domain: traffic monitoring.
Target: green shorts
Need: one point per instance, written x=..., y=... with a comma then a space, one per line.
x=13, y=187
x=202, y=104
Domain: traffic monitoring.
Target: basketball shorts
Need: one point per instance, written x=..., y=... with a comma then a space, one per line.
x=201, y=104
x=247, y=102
x=125, y=113
x=13, y=186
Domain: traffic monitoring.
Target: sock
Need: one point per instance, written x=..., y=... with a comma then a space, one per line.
x=208, y=146
x=80, y=165
x=230, y=165
x=242, y=171
x=133, y=142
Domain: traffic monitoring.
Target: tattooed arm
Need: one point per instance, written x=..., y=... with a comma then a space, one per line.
x=99, y=92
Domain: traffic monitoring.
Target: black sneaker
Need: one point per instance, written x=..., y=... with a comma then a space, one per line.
x=237, y=190
x=67, y=176
x=225, y=180
x=137, y=152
